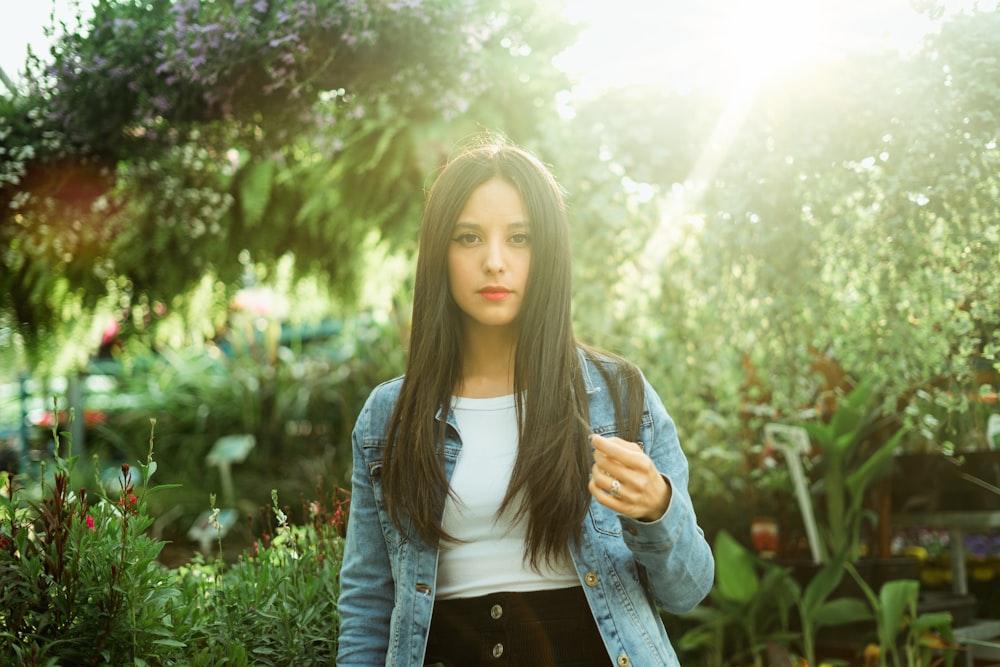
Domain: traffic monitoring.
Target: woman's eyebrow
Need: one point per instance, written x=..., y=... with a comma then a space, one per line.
x=475, y=226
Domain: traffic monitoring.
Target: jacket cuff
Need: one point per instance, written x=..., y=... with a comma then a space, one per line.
x=660, y=533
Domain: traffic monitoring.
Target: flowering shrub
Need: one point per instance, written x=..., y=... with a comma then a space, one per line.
x=80, y=578
x=203, y=129
x=278, y=604
x=82, y=584
x=137, y=73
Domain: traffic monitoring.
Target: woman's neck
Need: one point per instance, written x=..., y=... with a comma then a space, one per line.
x=487, y=366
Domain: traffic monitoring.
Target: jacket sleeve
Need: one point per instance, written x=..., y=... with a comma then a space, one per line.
x=366, y=582
x=672, y=554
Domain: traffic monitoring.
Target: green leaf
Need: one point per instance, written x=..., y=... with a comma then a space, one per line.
x=941, y=620
x=895, y=599
x=841, y=611
x=255, y=191
x=821, y=585
x=165, y=487
x=736, y=577
x=875, y=465
x=849, y=415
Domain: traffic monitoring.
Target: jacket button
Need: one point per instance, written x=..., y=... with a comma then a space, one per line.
x=423, y=588
x=623, y=660
x=590, y=579
x=496, y=611
x=497, y=650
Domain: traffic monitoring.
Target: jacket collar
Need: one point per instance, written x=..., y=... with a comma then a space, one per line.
x=585, y=368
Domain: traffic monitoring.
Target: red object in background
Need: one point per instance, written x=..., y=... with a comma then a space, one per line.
x=764, y=533
x=110, y=332
x=90, y=418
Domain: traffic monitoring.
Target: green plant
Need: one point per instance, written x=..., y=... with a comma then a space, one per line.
x=907, y=638
x=752, y=602
x=953, y=418
x=749, y=605
x=297, y=392
x=277, y=604
x=80, y=578
x=82, y=584
x=818, y=610
x=849, y=462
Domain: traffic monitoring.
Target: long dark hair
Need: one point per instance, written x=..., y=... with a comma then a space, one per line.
x=548, y=485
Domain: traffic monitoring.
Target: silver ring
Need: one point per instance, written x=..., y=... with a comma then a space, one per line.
x=616, y=489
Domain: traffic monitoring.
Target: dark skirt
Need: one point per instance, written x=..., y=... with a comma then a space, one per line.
x=539, y=628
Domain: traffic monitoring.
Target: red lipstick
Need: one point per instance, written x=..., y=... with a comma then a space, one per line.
x=494, y=293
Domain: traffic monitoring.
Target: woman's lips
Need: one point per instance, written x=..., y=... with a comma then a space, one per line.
x=495, y=293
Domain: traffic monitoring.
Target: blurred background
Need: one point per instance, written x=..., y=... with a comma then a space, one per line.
x=209, y=216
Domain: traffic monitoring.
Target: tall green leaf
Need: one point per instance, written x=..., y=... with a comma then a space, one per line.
x=255, y=191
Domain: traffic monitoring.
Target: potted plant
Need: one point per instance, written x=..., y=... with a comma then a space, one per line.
x=906, y=636
x=757, y=607
x=848, y=461
x=844, y=457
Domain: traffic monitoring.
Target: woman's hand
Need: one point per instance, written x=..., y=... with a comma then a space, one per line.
x=623, y=478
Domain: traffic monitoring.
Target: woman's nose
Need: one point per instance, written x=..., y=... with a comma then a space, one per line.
x=494, y=257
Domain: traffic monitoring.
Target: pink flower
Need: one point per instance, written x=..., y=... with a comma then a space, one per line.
x=90, y=522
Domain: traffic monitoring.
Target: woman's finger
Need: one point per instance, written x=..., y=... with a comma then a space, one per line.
x=625, y=479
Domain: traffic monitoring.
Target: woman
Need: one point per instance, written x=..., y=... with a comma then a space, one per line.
x=517, y=498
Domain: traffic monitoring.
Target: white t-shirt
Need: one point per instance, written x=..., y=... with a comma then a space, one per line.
x=490, y=557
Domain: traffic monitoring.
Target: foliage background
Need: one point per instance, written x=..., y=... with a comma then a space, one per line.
x=167, y=155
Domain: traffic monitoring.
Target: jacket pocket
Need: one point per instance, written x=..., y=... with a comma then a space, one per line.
x=373, y=459
x=605, y=521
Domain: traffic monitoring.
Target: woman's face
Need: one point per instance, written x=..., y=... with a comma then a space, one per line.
x=489, y=256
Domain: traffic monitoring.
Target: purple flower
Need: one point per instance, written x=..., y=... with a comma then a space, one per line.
x=160, y=103
x=978, y=545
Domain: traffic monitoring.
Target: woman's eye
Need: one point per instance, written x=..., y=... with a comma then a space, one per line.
x=521, y=238
x=467, y=238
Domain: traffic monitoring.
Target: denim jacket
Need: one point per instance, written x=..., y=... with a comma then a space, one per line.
x=627, y=568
